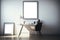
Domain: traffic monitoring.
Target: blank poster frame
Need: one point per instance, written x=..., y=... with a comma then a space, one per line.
x=6, y=23
x=37, y=11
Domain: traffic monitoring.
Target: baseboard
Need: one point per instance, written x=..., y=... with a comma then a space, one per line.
x=1, y=34
x=51, y=34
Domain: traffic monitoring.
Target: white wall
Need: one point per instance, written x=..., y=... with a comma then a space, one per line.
x=11, y=10
x=48, y=13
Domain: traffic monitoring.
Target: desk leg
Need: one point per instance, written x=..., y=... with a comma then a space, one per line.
x=20, y=31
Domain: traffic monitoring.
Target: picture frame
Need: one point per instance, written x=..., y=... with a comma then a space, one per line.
x=30, y=15
x=9, y=28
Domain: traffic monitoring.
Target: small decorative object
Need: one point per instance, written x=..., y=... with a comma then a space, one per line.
x=24, y=22
x=34, y=22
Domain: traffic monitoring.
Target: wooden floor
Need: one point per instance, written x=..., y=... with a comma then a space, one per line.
x=32, y=37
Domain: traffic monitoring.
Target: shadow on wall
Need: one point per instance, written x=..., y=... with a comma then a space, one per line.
x=0, y=18
x=49, y=29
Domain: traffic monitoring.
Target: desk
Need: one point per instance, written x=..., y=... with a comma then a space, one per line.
x=25, y=25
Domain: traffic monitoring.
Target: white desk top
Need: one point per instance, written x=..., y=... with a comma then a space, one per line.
x=28, y=24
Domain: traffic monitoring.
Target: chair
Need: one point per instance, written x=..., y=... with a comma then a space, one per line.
x=38, y=26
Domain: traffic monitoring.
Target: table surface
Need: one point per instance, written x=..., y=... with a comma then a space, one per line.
x=27, y=27
x=28, y=24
